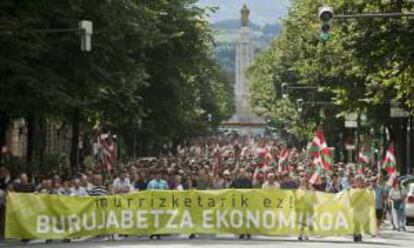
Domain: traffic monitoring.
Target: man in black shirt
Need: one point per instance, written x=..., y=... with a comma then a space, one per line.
x=242, y=182
x=24, y=186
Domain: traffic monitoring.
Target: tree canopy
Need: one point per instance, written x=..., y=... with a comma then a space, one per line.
x=365, y=65
x=151, y=63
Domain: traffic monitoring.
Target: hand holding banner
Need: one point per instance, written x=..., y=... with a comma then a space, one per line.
x=278, y=212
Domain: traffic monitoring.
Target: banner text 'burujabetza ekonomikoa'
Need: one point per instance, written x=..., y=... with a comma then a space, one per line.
x=279, y=212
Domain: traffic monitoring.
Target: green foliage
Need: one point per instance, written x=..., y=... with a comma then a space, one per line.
x=151, y=61
x=365, y=64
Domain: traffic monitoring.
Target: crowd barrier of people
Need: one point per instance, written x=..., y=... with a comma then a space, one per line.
x=220, y=163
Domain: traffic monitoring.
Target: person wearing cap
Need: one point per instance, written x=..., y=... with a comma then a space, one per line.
x=271, y=183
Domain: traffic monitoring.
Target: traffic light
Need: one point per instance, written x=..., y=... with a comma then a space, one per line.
x=325, y=15
x=86, y=29
x=285, y=93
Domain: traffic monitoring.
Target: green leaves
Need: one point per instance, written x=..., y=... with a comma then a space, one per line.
x=366, y=63
x=151, y=60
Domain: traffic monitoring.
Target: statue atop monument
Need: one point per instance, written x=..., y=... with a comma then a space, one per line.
x=245, y=16
x=244, y=121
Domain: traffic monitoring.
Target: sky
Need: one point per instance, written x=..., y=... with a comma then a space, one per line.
x=261, y=11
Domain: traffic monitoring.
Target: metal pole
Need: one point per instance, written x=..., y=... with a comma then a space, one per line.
x=60, y=30
x=303, y=87
x=408, y=145
x=376, y=15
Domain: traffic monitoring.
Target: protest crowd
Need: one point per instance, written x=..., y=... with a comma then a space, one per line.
x=223, y=162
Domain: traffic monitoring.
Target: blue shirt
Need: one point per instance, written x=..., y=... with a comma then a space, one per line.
x=345, y=183
x=332, y=188
x=157, y=184
x=379, y=197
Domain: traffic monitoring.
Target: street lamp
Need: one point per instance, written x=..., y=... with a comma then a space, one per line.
x=300, y=103
x=86, y=29
x=285, y=93
x=285, y=89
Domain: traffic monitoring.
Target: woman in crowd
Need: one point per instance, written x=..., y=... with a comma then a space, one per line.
x=397, y=196
x=271, y=183
x=303, y=206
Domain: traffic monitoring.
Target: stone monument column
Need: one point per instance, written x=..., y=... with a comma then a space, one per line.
x=244, y=121
x=244, y=57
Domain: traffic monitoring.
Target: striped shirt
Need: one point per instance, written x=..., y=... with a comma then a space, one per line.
x=97, y=191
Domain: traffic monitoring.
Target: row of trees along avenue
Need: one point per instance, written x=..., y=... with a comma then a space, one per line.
x=366, y=64
x=150, y=71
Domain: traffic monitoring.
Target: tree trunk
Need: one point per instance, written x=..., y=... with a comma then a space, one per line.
x=30, y=119
x=74, y=153
x=398, y=135
x=42, y=122
x=87, y=149
x=4, y=121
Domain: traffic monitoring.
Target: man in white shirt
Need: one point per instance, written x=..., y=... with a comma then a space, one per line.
x=77, y=189
x=85, y=183
x=122, y=184
x=271, y=183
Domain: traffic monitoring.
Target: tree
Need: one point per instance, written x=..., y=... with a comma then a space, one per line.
x=151, y=60
x=365, y=65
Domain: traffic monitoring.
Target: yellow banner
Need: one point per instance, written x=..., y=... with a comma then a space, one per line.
x=281, y=212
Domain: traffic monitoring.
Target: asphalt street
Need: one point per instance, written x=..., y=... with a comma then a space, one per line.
x=386, y=238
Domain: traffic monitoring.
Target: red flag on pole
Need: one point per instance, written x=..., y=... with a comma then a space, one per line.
x=319, y=148
x=108, y=151
x=390, y=164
